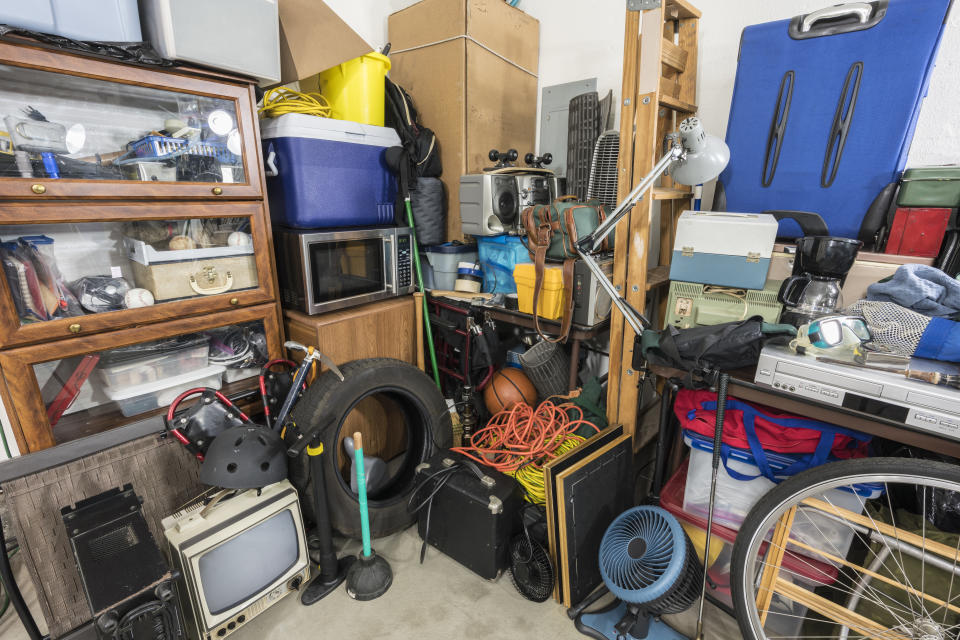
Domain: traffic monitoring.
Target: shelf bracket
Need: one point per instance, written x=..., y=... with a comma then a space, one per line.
x=643, y=5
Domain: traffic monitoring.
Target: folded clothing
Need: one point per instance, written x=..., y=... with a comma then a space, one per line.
x=921, y=288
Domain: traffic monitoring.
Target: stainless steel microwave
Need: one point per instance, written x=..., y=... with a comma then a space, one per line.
x=322, y=271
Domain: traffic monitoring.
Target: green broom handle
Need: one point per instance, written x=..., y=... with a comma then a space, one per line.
x=362, y=492
x=426, y=309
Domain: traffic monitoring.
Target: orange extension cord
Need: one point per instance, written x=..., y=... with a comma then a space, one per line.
x=520, y=441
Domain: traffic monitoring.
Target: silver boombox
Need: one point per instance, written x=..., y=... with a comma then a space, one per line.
x=491, y=203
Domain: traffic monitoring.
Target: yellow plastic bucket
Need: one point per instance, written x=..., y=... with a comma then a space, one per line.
x=550, y=304
x=354, y=89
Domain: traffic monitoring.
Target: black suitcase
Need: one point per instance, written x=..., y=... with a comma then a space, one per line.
x=473, y=514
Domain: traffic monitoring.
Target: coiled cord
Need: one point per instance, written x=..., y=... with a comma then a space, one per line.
x=280, y=101
x=520, y=441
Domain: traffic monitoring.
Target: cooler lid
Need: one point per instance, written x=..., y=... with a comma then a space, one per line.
x=301, y=125
x=726, y=233
x=946, y=172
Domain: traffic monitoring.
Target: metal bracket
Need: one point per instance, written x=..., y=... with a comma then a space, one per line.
x=642, y=5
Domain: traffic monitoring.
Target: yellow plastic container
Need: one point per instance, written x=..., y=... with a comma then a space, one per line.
x=354, y=89
x=550, y=305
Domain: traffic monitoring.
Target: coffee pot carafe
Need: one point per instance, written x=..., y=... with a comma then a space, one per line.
x=819, y=269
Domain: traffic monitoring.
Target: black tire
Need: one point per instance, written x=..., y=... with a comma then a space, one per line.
x=428, y=428
x=784, y=495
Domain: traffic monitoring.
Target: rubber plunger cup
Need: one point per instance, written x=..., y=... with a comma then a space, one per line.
x=370, y=576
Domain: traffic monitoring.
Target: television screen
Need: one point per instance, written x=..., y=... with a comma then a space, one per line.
x=248, y=563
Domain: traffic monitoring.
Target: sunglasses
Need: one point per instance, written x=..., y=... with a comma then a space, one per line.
x=829, y=332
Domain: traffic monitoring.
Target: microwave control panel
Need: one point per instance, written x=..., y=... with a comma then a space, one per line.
x=403, y=261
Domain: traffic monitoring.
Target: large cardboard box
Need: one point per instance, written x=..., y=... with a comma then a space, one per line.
x=313, y=38
x=471, y=68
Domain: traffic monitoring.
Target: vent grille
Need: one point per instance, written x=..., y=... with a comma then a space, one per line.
x=603, y=169
x=112, y=543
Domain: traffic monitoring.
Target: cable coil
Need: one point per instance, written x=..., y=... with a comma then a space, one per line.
x=281, y=101
x=519, y=441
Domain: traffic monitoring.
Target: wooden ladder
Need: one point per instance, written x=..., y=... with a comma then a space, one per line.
x=659, y=90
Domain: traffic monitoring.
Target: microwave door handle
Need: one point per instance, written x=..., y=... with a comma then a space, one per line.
x=389, y=266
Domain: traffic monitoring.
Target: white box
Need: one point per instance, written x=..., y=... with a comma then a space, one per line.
x=97, y=20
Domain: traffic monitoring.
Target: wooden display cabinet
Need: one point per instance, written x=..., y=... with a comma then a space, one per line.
x=117, y=176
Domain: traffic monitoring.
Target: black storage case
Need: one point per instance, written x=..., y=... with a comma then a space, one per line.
x=128, y=583
x=471, y=519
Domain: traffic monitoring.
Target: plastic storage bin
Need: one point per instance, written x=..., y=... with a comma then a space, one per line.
x=99, y=20
x=498, y=256
x=136, y=399
x=242, y=36
x=735, y=497
x=550, y=304
x=144, y=363
x=354, y=89
x=443, y=260
x=327, y=173
x=786, y=616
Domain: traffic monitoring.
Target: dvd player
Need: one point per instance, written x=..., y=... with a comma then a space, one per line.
x=919, y=405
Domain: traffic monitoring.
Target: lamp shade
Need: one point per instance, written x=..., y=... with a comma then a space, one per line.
x=705, y=156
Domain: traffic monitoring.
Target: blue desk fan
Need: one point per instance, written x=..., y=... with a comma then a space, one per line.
x=650, y=565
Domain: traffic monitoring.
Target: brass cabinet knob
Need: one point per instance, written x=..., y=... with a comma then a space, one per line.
x=217, y=191
x=234, y=301
x=74, y=328
x=38, y=189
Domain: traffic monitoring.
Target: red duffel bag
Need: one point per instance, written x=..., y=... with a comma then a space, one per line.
x=757, y=428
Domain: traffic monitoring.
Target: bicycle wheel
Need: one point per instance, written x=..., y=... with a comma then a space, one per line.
x=878, y=543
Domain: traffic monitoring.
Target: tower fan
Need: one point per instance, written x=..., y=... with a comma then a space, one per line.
x=650, y=565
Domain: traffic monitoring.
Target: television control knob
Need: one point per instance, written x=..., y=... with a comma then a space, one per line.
x=231, y=625
x=295, y=583
x=222, y=632
x=241, y=619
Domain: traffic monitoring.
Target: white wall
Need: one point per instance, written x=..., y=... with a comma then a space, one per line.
x=584, y=38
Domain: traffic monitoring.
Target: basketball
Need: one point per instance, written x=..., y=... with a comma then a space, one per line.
x=508, y=387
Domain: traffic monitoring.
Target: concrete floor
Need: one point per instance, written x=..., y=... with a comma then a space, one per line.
x=434, y=601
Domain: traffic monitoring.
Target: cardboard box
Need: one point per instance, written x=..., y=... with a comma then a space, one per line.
x=313, y=38
x=470, y=67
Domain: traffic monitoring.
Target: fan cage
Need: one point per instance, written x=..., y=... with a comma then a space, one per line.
x=603, y=170
x=536, y=584
x=665, y=577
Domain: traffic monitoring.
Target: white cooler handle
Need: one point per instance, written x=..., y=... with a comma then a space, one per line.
x=271, y=171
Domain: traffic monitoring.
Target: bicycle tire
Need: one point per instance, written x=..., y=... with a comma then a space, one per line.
x=811, y=483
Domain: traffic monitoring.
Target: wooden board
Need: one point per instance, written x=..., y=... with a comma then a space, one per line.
x=162, y=472
x=590, y=495
x=550, y=472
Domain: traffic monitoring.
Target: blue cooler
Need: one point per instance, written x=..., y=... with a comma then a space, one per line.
x=324, y=173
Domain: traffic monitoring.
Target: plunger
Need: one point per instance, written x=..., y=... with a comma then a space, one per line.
x=370, y=576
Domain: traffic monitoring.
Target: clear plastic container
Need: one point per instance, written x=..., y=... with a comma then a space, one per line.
x=785, y=617
x=144, y=363
x=136, y=399
x=735, y=497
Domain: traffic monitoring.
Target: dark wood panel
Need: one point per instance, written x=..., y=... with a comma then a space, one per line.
x=27, y=412
x=13, y=334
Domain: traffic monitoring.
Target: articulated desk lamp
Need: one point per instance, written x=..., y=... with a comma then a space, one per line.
x=694, y=159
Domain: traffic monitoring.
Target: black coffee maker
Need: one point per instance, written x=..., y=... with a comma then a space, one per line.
x=819, y=269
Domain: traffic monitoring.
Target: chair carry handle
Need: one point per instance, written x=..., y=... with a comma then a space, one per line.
x=861, y=10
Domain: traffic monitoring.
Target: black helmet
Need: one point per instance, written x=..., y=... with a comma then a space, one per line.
x=245, y=457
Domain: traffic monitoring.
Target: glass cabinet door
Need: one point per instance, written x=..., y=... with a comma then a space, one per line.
x=56, y=128
x=94, y=384
x=69, y=278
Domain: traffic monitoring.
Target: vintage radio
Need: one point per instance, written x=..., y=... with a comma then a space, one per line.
x=697, y=305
